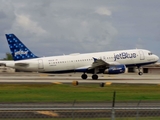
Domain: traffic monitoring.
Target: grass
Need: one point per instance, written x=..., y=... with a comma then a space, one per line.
x=83, y=92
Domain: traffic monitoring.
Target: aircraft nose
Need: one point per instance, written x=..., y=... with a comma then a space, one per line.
x=156, y=58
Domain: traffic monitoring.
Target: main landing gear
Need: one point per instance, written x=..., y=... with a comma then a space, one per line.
x=94, y=76
x=84, y=76
x=140, y=72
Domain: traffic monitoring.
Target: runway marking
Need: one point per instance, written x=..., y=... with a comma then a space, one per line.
x=49, y=113
x=57, y=83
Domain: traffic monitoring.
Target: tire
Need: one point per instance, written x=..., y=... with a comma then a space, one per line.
x=84, y=76
x=94, y=77
x=140, y=73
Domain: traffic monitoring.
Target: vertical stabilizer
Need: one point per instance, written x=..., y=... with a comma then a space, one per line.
x=18, y=50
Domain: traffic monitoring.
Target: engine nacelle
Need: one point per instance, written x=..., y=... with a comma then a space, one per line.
x=116, y=69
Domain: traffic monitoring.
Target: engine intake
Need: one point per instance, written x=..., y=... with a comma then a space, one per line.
x=116, y=69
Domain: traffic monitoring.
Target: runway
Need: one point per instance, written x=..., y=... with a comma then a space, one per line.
x=69, y=78
x=17, y=111
x=79, y=110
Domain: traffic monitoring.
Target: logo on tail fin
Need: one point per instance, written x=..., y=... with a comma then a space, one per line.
x=21, y=52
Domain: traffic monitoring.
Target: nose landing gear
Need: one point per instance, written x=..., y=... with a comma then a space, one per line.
x=140, y=72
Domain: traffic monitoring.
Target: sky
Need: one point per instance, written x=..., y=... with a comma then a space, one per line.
x=58, y=27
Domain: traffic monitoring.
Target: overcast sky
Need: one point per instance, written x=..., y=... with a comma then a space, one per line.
x=56, y=27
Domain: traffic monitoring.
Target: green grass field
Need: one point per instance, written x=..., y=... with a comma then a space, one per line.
x=81, y=93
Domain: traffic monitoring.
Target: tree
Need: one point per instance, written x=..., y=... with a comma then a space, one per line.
x=8, y=57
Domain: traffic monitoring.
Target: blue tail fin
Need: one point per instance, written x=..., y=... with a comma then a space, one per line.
x=18, y=49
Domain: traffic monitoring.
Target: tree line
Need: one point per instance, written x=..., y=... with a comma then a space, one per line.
x=8, y=57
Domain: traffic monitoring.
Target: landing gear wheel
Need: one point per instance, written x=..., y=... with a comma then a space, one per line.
x=139, y=69
x=84, y=76
x=94, y=77
x=140, y=73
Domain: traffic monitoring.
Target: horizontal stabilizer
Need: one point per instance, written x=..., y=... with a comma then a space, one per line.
x=21, y=64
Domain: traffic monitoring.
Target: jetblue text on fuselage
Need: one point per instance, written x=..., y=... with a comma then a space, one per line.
x=20, y=52
x=124, y=55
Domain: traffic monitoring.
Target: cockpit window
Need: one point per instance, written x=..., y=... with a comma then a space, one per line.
x=150, y=53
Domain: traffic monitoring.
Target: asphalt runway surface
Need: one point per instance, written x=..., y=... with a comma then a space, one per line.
x=78, y=110
x=86, y=110
x=82, y=112
x=69, y=78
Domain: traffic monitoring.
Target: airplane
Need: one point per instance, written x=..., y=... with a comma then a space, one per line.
x=110, y=62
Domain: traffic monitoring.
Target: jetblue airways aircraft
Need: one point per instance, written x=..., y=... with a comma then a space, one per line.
x=112, y=62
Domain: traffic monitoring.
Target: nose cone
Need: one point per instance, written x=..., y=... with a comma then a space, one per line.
x=156, y=58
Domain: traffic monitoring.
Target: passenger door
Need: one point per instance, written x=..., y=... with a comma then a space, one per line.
x=141, y=55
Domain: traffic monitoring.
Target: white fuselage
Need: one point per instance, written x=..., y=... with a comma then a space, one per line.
x=73, y=62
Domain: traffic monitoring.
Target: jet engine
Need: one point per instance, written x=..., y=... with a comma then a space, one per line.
x=116, y=69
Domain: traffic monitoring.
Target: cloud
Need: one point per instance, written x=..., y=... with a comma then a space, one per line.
x=103, y=11
x=24, y=22
x=53, y=27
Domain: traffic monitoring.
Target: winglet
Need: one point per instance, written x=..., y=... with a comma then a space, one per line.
x=95, y=59
x=18, y=50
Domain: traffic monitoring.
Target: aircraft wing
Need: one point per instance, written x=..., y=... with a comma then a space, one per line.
x=101, y=63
